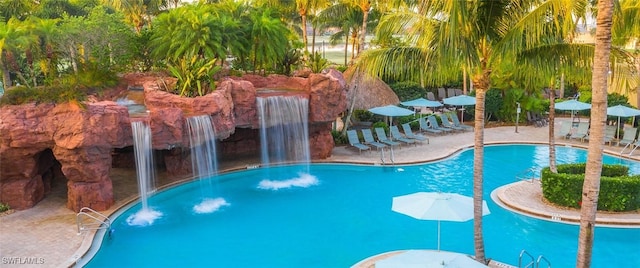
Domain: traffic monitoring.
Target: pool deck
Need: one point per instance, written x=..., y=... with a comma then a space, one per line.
x=46, y=235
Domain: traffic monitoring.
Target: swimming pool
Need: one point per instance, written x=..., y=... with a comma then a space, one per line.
x=347, y=217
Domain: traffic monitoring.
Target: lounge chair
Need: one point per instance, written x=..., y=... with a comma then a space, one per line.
x=609, y=134
x=382, y=137
x=582, y=132
x=451, y=92
x=396, y=135
x=434, y=124
x=354, y=141
x=424, y=126
x=409, y=133
x=565, y=130
x=444, y=118
x=442, y=93
x=369, y=140
x=431, y=96
x=629, y=136
x=456, y=122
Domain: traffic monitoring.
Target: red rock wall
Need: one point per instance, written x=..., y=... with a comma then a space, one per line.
x=82, y=138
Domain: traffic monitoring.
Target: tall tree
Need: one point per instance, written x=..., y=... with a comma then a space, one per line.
x=591, y=186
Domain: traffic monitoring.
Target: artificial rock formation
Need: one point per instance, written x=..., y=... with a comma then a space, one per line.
x=80, y=139
x=77, y=142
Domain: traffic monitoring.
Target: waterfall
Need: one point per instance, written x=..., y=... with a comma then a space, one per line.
x=284, y=131
x=145, y=173
x=284, y=137
x=204, y=161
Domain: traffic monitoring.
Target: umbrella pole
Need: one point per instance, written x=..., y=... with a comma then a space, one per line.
x=618, y=128
x=438, y=235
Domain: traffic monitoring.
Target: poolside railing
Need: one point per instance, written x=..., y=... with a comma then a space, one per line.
x=97, y=221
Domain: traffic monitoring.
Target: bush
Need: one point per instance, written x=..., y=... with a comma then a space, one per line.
x=408, y=90
x=4, y=207
x=618, y=191
x=338, y=138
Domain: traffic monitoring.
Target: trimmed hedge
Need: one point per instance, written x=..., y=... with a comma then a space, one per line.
x=618, y=190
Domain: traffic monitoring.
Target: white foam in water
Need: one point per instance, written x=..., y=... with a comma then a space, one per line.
x=210, y=205
x=304, y=180
x=144, y=217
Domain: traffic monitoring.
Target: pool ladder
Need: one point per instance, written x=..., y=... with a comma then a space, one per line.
x=533, y=263
x=97, y=220
x=391, y=156
x=529, y=174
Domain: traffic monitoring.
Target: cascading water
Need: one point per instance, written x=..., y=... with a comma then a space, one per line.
x=284, y=137
x=146, y=174
x=204, y=161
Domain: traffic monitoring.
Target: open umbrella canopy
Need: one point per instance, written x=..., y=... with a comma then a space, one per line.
x=391, y=110
x=572, y=105
x=622, y=111
x=460, y=100
x=428, y=258
x=421, y=102
x=437, y=206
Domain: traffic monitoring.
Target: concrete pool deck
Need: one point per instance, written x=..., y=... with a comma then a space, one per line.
x=46, y=235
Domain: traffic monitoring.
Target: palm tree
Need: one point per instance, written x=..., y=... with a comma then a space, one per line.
x=478, y=35
x=345, y=17
x=306, y=7
x=591, y=185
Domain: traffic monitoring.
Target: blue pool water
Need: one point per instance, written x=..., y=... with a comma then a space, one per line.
x=347, y=217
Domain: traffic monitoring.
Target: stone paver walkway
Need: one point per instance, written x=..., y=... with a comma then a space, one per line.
x=46, y=235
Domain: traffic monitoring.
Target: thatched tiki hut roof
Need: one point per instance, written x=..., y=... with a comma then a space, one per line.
x=370, y=92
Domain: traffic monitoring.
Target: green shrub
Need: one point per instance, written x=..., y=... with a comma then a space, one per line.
x=618, y=191
x=4, y=207
x=363, y=115
x=338, y=138
x=71, y=87
x=408, y=90
x=383, y=125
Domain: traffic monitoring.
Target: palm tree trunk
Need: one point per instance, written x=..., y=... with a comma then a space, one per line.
x=346, y=48
x=591, y=186
x=363, y=30
x=304, y=30
x=481, y=82
x=552, y=136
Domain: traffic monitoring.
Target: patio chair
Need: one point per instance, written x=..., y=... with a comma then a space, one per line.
x=629, y=136
x=424, y=126
x=459, y=92
x=354, y=141
x=409, y=133
x=431, y=96
x=565, y=130
x=451, y=92
x=434, y=124
x=444, y=118
x=456, y=122
x=382, y=137
x=396, y=135
x=369, y=140
x=582, y=131
x=609, y=134
x=442, y=93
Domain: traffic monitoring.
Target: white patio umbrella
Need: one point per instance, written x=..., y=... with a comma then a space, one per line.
x=437, y=206
x=572, y=105
x=621, y=111
x=428, y=258
x=460, y=100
